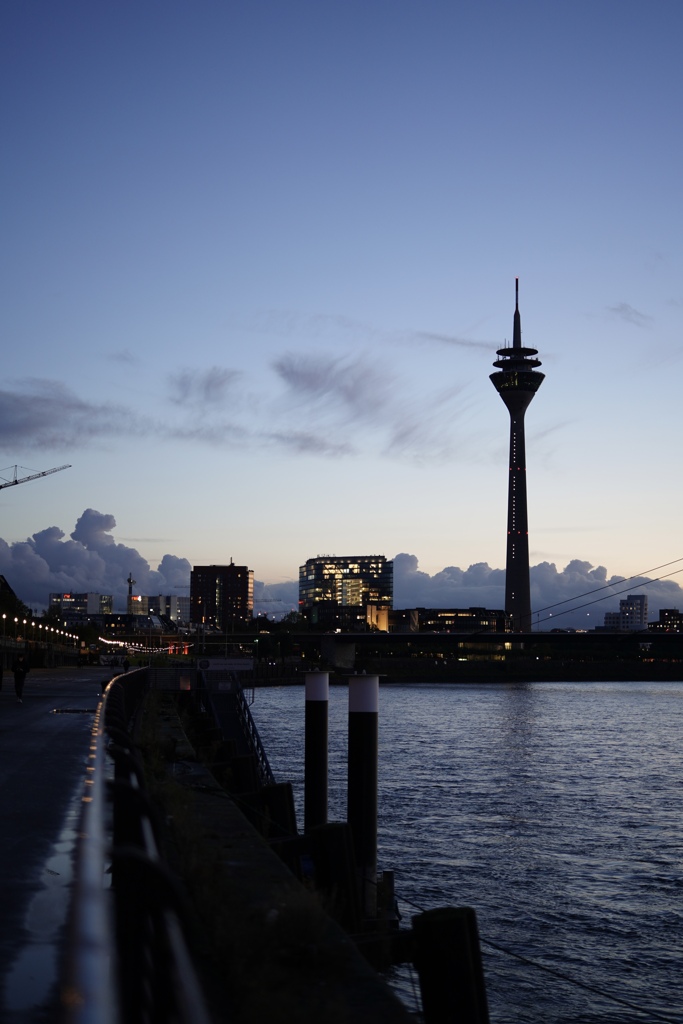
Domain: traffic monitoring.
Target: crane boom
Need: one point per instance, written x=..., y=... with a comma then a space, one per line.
x=33, y=476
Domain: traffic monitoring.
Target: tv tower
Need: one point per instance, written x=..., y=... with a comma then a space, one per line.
x=517, y=381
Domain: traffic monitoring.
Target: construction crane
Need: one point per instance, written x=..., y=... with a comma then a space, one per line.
x=24, y=479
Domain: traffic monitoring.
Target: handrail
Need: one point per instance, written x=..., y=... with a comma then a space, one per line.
x=254, y=740
x=89, y=994
x=246, y=722
x=128, y=960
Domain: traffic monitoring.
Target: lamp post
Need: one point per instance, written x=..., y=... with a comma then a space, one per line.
x=4, y=622
x=16, y=627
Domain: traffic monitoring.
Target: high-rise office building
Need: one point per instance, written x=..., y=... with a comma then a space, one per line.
x=631, y=617
x=517, y=381
x=222, y=596
x=351, y=592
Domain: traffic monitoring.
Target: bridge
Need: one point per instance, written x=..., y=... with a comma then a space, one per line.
x=480, y=655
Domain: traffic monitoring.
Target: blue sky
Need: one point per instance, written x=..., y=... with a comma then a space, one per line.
x=258, y=257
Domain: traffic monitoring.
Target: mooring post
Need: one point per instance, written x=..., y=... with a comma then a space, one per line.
x=315, y=756
x=362, y=785
x=447, y=956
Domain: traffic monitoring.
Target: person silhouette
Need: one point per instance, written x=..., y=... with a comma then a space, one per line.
x=20, y=670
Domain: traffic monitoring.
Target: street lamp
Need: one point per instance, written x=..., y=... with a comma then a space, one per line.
x=16, y=627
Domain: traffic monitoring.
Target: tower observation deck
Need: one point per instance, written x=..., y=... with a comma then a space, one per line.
x=517, y=381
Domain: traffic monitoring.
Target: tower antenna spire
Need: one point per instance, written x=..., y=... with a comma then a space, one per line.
x=517, y=320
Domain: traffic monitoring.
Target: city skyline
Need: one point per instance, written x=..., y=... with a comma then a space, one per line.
x=92, y=560
x=257, y=265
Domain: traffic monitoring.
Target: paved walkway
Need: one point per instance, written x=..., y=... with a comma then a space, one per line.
x=43, y=749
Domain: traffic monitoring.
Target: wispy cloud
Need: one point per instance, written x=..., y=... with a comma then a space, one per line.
x=39, y=413
x=630, y=315
x=451, y=339
x=348, y=332
x=124, y=356
x=328, y=406
x=345, y=396
x=417, y=427
x=193, y=387
x=214, y=434
x=336, y=327
x=310, y=444
x=355, y=383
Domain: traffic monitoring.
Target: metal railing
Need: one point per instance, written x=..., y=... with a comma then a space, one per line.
x=253, y=739
x=89, y=992
x=128, y=960
x=229, y=683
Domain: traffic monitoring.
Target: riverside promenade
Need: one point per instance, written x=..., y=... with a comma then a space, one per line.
x=43, y=748
x=285, y=956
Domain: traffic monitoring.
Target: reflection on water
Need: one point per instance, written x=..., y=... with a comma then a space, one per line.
x=556, y=810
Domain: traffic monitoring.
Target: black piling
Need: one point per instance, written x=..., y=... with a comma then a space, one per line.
x=447, y=958
x=331, y=852
x=362, y=785
x=315, y=758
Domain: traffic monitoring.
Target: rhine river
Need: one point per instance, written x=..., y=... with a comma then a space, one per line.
x=554, y=809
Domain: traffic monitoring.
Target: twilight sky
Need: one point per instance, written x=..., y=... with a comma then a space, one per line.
x=258, y=257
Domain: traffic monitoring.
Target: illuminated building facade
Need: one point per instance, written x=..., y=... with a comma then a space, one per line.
x=168, y=606
x=222, y=596
x=670, y=621
x=448, y=620
x=517, y=380
x=82, y=604
x=348, y=593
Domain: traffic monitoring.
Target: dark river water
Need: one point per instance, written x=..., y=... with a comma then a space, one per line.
x=554, y=809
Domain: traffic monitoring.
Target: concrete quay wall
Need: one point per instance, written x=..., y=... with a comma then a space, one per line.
x=269, y=950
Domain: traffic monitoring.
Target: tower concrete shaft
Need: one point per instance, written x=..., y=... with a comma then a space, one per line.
x=517, y=381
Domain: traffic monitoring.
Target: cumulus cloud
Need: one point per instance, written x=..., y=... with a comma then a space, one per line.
x=275, y=599
x=479, y=586
x=90, y=560
x=575, y=597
